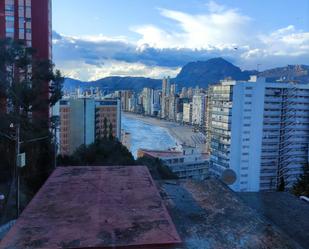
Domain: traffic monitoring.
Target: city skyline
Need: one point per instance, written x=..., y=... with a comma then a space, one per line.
x=155, y=38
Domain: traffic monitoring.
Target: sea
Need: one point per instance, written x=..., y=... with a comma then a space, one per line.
x=146, y=136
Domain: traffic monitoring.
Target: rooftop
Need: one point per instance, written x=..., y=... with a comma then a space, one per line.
x=121, y=207
x=94, y=207
x=166, y=153
x=283, y=209
x=209, y=215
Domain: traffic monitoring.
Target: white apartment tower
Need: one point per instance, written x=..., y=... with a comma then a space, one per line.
x=267, y=128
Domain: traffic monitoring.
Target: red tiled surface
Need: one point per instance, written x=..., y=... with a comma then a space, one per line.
x=95, y=207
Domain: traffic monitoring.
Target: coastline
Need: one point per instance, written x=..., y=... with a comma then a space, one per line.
x=183, y=134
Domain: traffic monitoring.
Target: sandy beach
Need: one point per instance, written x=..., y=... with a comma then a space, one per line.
x=182, y=133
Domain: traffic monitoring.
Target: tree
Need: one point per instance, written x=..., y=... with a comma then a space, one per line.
x=105, y=128
x=157, y=169
x=301, y=187
x=100, y=153
x=28, y=87
x=281, y=186
x=110, y=136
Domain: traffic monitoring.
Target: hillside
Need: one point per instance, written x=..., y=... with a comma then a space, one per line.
x=113, y=83
x=200, y=73
x=290, y=72
x=203, y=73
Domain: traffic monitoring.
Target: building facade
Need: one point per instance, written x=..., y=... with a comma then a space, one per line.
x=219, y=114
x=29, y=21
x=184, y=161
x=187, y=113
x=77, y=124
x=82, y=121
x=260, y=130
x=108, y=113
x=270, y=134
x=198, y=109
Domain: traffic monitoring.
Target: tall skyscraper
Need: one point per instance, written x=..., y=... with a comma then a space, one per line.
x=30, y=21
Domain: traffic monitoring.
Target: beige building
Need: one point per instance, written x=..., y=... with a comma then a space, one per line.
x=82, y=122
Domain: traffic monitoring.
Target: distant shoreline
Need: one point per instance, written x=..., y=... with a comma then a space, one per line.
x=167, y=125
x=182, y=134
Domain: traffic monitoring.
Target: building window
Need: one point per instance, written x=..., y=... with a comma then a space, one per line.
x=9, y=30
x=9, y=18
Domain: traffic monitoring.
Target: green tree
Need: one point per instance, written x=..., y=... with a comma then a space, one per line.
x=301, y=187
x=24, y=90
x=100, y=153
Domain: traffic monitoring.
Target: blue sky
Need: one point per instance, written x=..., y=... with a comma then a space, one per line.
x=154, y=38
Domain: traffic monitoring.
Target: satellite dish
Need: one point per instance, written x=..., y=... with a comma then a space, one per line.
x=228, y=176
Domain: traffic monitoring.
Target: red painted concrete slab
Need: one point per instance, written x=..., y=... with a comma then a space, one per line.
x=95, y=207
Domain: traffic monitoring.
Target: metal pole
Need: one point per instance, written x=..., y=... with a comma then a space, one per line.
x=17, y=178
x=55, y=147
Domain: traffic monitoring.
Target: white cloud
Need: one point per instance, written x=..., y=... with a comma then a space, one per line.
x=287, y=41
x=81, y=70
x=215, y=7
x=160, y=51
x=221, y=28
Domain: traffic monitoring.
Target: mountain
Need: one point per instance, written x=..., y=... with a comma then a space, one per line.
x=113, y=83
x=203, y=73
x=290, y=72
x=200, y=73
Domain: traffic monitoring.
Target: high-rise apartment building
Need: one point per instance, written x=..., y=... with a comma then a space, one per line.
x=166, y=86
x=261, y=131
x=187, y=113
x=77, y=124
x=164, y=97
x=125, y=96
x=148, y=97
x=219, y=126
x=30, y=21
x=82, y=121
x=109, y=110
x=173, y=90
x=173, y=107
x=198, y=109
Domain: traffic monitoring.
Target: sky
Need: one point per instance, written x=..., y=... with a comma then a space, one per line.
x=154, y=38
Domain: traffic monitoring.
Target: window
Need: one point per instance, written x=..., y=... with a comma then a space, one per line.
x=9, y=18
x=9, y=30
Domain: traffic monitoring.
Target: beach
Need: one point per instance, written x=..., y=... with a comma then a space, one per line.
x=182, y=133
